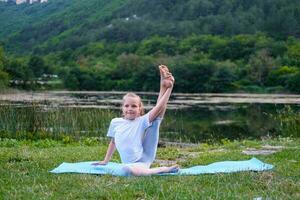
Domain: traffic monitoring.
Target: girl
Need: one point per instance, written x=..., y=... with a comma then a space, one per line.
x=135, y=136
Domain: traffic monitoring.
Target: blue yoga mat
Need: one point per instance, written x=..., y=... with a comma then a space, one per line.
x=118, y=169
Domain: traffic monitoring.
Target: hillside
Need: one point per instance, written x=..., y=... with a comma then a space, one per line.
x=209, y=45
x=49, y=23
x=62, y=24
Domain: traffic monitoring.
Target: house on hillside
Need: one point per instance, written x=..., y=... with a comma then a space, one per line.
x=25, y=1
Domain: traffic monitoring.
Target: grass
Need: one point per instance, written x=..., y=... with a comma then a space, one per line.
x=25, y=165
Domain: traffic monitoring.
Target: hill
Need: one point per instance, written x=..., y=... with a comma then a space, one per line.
x=61, y=24
x=209, y=45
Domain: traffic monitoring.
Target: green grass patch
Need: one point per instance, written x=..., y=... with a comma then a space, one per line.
x=25, y=165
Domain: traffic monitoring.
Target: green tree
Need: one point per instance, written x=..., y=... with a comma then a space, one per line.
x=193, y=76
x=239, y=47
x=260, y=65
x=202, y=43
x=71, y=79
x=281, y=76
x=293, y=84
x=96, y=49
x=19, y=70
x=222, y=80
x=37, y=65
x=135, y=72
x=4, y=76
x=2, y=58
x=293, y=51
x=157, y=45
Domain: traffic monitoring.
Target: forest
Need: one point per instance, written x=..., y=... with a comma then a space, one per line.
x=210, y=45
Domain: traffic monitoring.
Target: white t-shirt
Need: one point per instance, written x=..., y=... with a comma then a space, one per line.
x=128, y=136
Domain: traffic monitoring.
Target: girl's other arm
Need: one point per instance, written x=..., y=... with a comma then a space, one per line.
x=110, y=151
x=161, y=104
x=166, y=81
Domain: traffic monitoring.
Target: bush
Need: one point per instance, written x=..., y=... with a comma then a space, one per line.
x=5, y=142
x=293, y=84
x=288, y=122
x=90, y=141
x=4, y=79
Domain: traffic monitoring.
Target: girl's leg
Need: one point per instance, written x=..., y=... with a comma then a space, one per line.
x=164, y=72
x=150, y=140
x=142, y=171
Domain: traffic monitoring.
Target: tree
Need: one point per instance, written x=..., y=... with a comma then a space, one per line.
x=193, y=76
x=239, y=47
x=135, y=72
x=2, y=58
x=37, y=65
x=203, y=43
x=156, y=45
x=293, y=84
x=4, y=76
x=294, y=51
x=18, y=70
x=71, y=79
x=222, y=80
x=260, y=65
x=281, y=76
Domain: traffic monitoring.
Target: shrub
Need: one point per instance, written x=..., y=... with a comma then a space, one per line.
x=288, y=122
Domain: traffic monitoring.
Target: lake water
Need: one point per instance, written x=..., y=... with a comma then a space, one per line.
x=189, y=118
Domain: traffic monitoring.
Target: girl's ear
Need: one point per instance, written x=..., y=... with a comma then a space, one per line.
x=141, y=110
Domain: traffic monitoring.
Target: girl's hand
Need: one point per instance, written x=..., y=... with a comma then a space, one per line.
x=103, y=162
x=172, y=80
x=167, y=80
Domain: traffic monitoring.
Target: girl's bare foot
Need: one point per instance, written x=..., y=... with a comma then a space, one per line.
x=171, y=169
x=166, y=77
x=163, y=69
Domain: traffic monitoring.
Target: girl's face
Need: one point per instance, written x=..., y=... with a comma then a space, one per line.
x=131, y=108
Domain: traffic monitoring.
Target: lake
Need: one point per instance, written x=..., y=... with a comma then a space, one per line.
x=189, y=118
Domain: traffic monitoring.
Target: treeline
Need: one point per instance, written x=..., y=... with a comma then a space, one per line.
x=62, y=24
x=200, y=63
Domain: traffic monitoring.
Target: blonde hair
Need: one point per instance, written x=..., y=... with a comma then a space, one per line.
x=133, y=95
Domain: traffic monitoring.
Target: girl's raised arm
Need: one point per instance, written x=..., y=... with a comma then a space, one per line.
x=160, y=105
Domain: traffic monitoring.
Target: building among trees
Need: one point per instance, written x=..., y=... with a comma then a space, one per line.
x=25, y=1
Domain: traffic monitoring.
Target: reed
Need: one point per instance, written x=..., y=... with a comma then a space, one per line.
x=36, y=122
x=288, y=122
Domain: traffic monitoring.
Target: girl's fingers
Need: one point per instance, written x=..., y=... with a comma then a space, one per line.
x=161, y=71
x=167, y=75
x=163, y=68
x=171, y=78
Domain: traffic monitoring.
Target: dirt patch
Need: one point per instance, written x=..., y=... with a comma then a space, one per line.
x=266, y=150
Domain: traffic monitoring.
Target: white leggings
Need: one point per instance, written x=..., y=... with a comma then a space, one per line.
x=150, y=142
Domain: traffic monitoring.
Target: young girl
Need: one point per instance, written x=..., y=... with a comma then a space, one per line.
x=135, y=136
